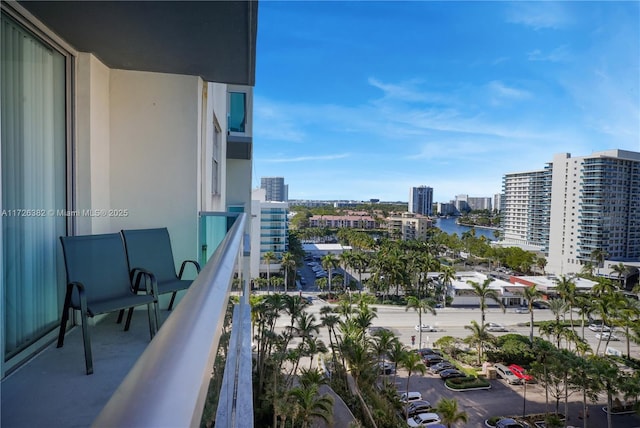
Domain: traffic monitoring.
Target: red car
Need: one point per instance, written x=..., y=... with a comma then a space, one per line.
x=520, y=373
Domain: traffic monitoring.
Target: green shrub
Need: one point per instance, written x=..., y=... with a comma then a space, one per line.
x=467, y=382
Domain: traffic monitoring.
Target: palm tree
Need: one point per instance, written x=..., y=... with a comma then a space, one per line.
x=531, y=294
x=396, y=355
x=420, y=306
x=412, y=362
x=621, y=270
x=599, y=255
x=484, y=291
x=585, y=308
x=566, y=288
x=449, y=413
x=311, y=406
x=268, y=257
x=288, y=263
x=447, y=275
x=382, y=342
x=479, y=336
x=329, y=263
x=345, y=261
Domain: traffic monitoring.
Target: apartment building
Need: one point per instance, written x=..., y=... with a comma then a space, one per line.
x=574, y=206
x=525, y=209
x=115, y=115
x=479, y=203
x=497, y=201
x=275, y=189
x=364, y=221
x=595, y=205
x=268, y=231
x=421, y=200
x=408, y=226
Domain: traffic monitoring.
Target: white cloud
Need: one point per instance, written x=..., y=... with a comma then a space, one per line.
x=538, y=15
x=306, y=158
x=500, y=90
x=559, y=54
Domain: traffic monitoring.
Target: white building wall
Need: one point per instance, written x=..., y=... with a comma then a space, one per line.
x=561, y=210
x=155, y=134
x=92, y=143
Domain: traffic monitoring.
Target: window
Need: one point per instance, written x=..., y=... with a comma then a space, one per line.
x=215, y=162
x=237, y=111
x=33, y=151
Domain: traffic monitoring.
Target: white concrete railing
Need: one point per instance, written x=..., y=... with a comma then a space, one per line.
x=167, y=387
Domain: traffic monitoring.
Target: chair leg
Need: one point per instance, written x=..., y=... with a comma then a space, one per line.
x=128, y=323
x=173, y=298
x=153, y=322
x=65, y=316
x=120, y=316
x=88, y=357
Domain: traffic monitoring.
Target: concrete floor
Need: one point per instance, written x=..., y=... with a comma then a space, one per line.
x=52, y=390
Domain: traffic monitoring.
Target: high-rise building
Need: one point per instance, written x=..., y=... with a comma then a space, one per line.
x=479, y=203
x=497, y=201
x=461, y=203
x=576, y=207
x=421, y=200
x=525, y=209
x=275, y=188
x=269, y=228
x=595, y=205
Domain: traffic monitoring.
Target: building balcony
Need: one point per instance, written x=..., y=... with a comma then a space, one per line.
x=137, y=382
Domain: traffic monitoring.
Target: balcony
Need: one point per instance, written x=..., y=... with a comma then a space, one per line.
x=137, y=382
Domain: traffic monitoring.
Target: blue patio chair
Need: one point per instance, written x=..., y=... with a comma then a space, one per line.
x=98, y=282
x=150, y=251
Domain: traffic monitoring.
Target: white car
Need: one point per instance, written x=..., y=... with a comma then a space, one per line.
x=605, y=335
x=410, y=397
x=423, y=419
x=425, y=327
x=599, y=327
x=492, y=326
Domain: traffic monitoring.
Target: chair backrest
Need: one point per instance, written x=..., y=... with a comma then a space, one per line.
x=99, y=262
x=150, y=249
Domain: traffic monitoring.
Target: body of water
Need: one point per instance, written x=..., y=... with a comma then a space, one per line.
x=449, y=225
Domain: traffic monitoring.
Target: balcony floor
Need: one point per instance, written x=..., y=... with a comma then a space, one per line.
x=53, y=390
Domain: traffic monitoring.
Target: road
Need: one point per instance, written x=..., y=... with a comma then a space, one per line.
x=501, y=398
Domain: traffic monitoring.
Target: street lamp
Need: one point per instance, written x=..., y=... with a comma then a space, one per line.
x=524, y=399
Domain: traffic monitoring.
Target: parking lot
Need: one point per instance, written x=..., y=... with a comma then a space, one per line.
x=501, y=399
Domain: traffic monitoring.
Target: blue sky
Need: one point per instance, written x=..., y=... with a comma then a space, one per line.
x=360, y=100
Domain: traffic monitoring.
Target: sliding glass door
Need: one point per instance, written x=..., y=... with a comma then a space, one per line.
x=33, y=154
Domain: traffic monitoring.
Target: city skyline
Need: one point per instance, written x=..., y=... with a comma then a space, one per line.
x=364, y=100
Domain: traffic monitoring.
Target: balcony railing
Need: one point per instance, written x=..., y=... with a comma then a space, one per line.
x=168, y=384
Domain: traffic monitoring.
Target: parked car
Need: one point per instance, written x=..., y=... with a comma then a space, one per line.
x=386, y=368
x=451, y=373
x=606, y=335
x=437, y=368
x=432, y=359
x=508, y=423
x=520, y=373
x=505, y=373
x=492, y=326
x=423, y=419
x=599, y=327
x=540, y=305
x=428, y=351
x=425, y=327
x=522, y=310
x=415, y=407
x=410, y=397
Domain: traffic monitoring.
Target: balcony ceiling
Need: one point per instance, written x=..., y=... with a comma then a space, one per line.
x=212, y=39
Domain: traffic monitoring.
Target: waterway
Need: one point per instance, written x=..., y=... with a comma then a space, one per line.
x=450, y=226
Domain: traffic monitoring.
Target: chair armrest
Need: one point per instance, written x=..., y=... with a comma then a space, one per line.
x=184, y=264
x=82, y=295
x=140, y=274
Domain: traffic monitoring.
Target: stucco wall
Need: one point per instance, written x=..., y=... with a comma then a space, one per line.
x=154, y=128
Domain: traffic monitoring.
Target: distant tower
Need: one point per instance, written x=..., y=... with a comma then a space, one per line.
x=421, y=200
x=275, y=189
